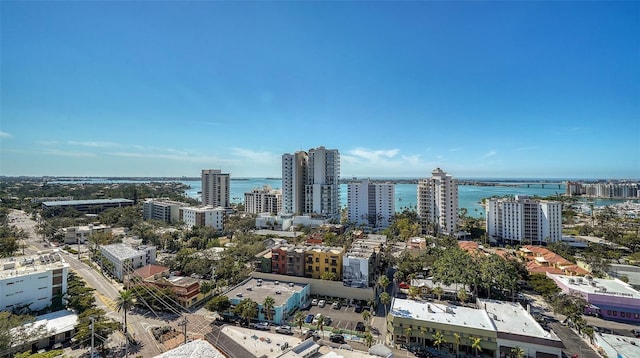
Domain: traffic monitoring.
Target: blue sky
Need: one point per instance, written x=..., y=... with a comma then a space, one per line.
x=480, y=89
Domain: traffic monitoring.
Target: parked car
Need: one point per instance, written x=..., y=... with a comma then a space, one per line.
x=337, y=338
x=322, y=303
x=358, y=308
x=360, y=326
x=284, y=330
x=263, y=326
x=336, y=305
x=316, y=318
x=314, y=302
x=309, y=318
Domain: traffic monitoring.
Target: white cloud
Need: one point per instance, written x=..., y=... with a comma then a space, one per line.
x=63, y=153
x=385, y=162
x=5, y=135
x=489, y=154
x=374, y=154
x=456, y=149
x=182, y=157
x=94, y=144
x=256, y=156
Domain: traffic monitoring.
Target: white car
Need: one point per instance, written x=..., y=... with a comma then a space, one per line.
x=322, y=303
x=314, y=302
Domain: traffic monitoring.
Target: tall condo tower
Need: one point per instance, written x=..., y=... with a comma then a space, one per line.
x=438, y=202
x=311, y=182
x=370, y=203
x=215, y=188
x=524, y=221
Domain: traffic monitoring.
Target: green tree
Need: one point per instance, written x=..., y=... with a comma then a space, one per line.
x=247, y=310
x=517, y=352
x=408, y=332
x=438, y=291
x=462, y=295
x=299, y=319
x=438, y=339
x=219, y=304
x=414, y=292
x=320, y=323
x=366, y=315
x=476, y=344
x=385, y=299
x=125, y=302
x=368, y=339
x=8, y=246
x=104, y=327
x=383, y=282
x=456, y=337
x=268, y=305
x=329, y=276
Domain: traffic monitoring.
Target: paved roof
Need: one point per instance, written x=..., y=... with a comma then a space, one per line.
x=443, y=314
x=511, y=317
x=613, y=287
x=30, y=265
x=54, y=322
x=258, y=290
x=85, y=202
x=195, y=349
x=123, y=251
x=624, y=346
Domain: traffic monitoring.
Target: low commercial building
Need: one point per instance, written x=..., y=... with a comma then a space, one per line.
x=122, y=259
x=288, y=297
x=322, y=260
x=187, y=289
x=30, y=284
x=610, y=345
x=46, y=332
x=80, y=234
x=542, y=261
x=164, y=210
x=360, y=264
x=610, y=299
x=497, y=326
x=204, y=216
x=286, y=222
x=194, y=349
x=93, y=206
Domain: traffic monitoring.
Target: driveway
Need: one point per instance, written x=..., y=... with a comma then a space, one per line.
x=573, y=344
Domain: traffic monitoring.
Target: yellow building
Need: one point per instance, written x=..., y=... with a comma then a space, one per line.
x=321, y=259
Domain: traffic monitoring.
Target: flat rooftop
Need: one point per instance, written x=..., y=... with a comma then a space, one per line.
x=511, y=317
x=195, y=349
x=55, y=323
x=613, y=287
x=258, y=289
x=86, y=202
x=625, y=346
x=443, y=314
x=29, y=265
x=122, y=251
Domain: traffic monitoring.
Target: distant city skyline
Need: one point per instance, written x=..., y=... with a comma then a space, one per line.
x=479, y=89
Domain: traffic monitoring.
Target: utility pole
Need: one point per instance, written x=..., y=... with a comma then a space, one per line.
x=78, y=242
x=184, y=328
x=92, y=333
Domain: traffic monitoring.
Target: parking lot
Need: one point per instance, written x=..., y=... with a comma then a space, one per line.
x=344, y=318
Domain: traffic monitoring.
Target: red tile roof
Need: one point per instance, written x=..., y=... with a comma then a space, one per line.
x=149, y=271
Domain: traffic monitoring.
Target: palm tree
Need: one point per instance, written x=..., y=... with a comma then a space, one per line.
x=407, y=332
x=267, y=305
x=456, y=336
x=320, y=324
x=125, y=302
x=517, y=352
x=414, y=291
x=385, y=299
x=475, y=344
x=438, y=339
x=462, y=295
x=366, y=315
x=383, y=282
x=299, y=319
x=438, y=291
x=368, y=338
x=423, y=333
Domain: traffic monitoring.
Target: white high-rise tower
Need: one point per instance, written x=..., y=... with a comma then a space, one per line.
x=311, y=182
x=215, y=188
x=370, y=203
x=437, y=202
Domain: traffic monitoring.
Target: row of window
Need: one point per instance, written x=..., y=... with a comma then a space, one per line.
x=623, y=314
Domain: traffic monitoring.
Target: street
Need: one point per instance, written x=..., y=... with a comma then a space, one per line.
x=107, y=291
